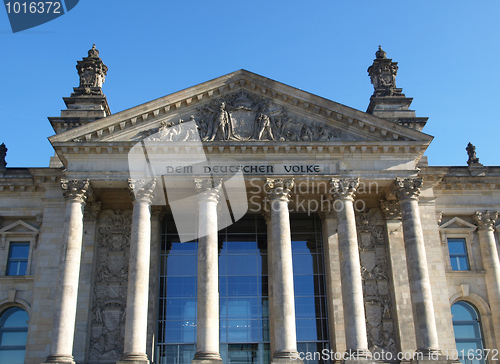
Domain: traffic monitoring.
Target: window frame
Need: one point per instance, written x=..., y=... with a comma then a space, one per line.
x=448, y=238
x=478, y=320
x=16, y=329
x=464, y=230
x=9, y=235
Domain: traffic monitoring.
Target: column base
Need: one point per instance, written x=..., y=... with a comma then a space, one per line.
x=206, y=358
x=60, y=359
x=286, y=357
x=134, y=359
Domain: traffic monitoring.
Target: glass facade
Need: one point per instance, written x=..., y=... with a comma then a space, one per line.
x=467, y=329
x=244, y=304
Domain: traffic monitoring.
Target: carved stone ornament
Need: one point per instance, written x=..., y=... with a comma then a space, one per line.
x=407, y=188
x=279, y=188
x=344, y=189
x=208, y=189
x=376, y=285
x=486, y=220
x=107, y=321
x=242, y=116
x=391, y=209
x=76, y=190
x=92, y=72
x=142, y=190
x=383, y=75
x=3, y=154
x=91, y=211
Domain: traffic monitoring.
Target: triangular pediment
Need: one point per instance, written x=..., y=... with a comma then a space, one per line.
x=457, y=224
x=243, y=107
x=19, y=227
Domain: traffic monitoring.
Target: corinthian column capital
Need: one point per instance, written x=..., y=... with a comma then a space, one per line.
x=486, y=220
x=208, y=189
x=391, y=209
x=76, y=190
x=344, y=189
x=407, y=188
x=279, y=188
x=142, y=190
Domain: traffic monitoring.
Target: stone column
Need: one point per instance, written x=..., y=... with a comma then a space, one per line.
x=344, y=191
x=136, y=319
x=207, y=334
x=407, y=191
x=281, y=288
x=399, y=276
x=485, y=222
x=267, y=217
x=63, y=328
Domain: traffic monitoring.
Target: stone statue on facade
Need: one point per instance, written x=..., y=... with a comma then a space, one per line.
x=92, y=72
x=383, y=75
x=471, y=152
x=3, y=154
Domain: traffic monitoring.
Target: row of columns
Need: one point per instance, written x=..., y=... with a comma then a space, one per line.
x=281, y=292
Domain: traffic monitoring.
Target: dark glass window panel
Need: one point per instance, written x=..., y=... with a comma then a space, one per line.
x=19, y=250
x=182, y=265
x=244, y=225
x=188, y=248
x=243, y=286
x=458, y=254
x=177, y=309
x=457, y=246
x=13, y=338
x=14, y=318
x=309, y=307
x=308, y=285
x=242, y=265
x=462, y=311
x=13, y=335
x=244, y=330
x=303, y=264
x=467, y=330
x=310, y=329
x=180, y=331
x=181, y=287
x=12, y=356
x=241, y=307
x=240, y=247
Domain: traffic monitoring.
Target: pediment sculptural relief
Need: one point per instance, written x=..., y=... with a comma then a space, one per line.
x=244, y=117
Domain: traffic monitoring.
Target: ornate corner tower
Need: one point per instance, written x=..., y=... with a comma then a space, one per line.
x=87, y=103
x=389, y=102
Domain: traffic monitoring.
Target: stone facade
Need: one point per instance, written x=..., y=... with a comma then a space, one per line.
x=94, y=229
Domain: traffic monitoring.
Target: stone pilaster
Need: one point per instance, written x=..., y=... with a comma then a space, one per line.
x=399, y=276
x=336, y=325
x=281, y=288
x=136, y=319
x=344, y=191
x=485, y=222
x=207, y=335
x=63, y=328
x=407, y=191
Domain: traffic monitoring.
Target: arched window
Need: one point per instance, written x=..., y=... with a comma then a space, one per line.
x=467, y=328
x=13, y=335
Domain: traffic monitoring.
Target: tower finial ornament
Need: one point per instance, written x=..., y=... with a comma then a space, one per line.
x=92, y=72
x=383, y=73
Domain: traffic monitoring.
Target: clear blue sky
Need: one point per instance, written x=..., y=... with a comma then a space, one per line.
x=448, y=54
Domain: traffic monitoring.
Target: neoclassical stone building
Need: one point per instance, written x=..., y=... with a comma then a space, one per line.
x=246, y=221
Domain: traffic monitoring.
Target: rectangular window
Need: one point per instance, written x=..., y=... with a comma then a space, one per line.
x=458, y=254
x=18, y=258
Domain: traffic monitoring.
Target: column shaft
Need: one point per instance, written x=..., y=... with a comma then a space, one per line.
x=207, y=335
x=136, y=321
x=63, y=328
x=489, y=252
x=407, y=192
x=282, y=293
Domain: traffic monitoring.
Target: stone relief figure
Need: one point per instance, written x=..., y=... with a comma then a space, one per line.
x=221, y=128
x=265, y=125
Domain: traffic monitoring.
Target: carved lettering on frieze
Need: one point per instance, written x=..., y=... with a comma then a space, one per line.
x=376, y=284
x=110, y=286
